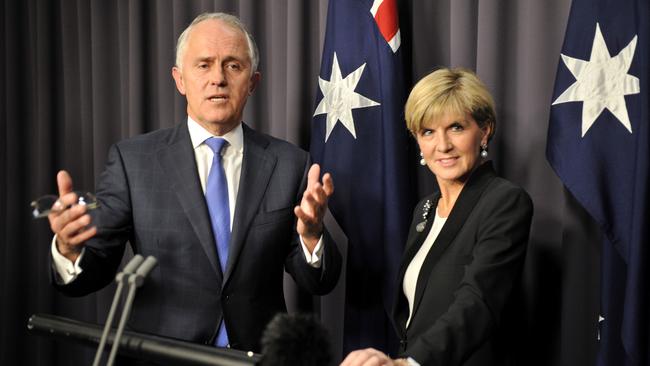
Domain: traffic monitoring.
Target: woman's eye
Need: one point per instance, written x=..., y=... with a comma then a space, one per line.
x=456, y=127
x=426, y=132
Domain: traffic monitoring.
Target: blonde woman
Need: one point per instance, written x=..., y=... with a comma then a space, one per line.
x=467, y=240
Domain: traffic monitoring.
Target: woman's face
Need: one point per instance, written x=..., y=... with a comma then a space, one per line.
x=450, y=145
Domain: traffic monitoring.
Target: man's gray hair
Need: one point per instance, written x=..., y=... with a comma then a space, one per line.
x=229, y=19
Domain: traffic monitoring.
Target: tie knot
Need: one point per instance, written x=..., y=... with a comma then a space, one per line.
x=216, y=144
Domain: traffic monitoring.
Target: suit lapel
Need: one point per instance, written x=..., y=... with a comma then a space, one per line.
x=185, y=182
x=413, y=244
x=416, y=239
x=463, y=207
x=256, y=171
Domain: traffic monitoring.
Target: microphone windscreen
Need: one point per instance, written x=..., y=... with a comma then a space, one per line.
x=133, y=264
x=146, y=267
x=295, y=339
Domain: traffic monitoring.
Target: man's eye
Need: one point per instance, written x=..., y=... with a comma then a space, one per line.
x=203, y=66
x=234, y=66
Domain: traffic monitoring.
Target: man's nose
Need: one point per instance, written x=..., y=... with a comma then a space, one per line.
x=218, y=76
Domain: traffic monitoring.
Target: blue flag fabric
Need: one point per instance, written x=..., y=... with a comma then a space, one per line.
x=359, y=136
x=598, y=145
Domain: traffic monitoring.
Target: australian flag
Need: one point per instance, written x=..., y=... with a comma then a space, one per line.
x=359, y=136
x=598, y=145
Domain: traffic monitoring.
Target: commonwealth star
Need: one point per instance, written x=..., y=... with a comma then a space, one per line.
x=602, y=82
x=339, y=98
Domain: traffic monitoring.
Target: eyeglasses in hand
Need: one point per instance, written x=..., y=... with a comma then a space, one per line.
x=42, y=206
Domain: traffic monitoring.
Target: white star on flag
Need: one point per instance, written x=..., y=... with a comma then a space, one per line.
x=602, y=82
x=339, y=98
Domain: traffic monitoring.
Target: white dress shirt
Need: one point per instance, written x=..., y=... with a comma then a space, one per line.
x=232, y=156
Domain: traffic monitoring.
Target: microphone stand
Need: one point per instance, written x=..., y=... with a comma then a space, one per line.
x=135, y=280
x=141, y=346
x=121, y=278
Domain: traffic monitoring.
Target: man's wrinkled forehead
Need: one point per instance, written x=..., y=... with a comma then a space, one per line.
x=218, y=33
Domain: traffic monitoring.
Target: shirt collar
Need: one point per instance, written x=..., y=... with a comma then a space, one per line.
x=198, y=135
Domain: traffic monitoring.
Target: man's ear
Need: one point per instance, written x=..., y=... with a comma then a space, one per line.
x=255, y=80
x=178, y=78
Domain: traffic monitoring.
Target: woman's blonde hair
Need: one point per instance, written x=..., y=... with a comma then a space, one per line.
x=449, y=90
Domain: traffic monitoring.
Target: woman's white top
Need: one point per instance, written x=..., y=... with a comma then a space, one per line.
x=413, y=270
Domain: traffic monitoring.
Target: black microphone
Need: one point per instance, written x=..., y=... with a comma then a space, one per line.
x=295, y=339
x=121, y=278
x=135, y=280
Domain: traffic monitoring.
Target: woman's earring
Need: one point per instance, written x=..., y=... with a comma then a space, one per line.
x=484, y=153
x=422, y=161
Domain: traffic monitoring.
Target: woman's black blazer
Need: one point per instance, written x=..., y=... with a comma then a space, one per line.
x=468, y=276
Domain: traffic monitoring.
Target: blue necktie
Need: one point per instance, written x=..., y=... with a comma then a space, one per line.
x=216, y=195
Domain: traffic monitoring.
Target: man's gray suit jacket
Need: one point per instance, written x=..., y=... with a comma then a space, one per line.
x=151, y=197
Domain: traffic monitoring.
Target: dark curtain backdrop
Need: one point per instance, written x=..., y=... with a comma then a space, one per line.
x=79, y=75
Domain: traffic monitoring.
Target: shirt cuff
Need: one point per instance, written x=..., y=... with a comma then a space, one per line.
x=65, y=269
x=313, y=259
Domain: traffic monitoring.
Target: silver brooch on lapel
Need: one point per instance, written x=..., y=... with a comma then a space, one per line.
x=425, y=213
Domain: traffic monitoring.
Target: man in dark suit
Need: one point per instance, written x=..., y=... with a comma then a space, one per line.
x=221, y=255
